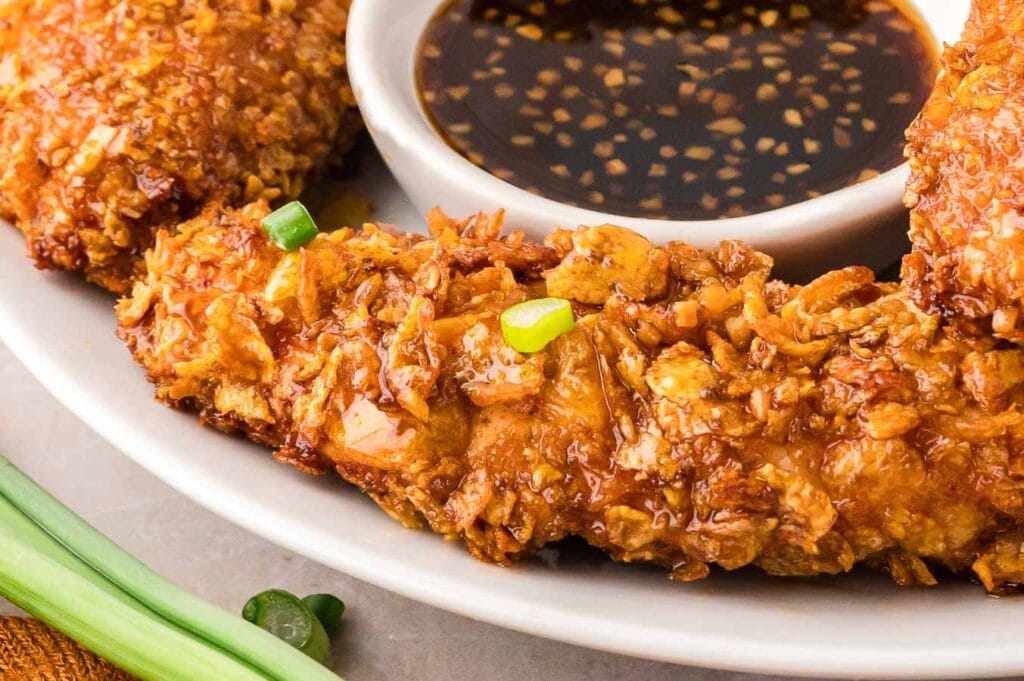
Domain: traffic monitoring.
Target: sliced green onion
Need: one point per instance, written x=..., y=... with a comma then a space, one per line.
x=289, y=619
x=290, y=226
x=328, y=609
x=154, y=594
x=530, y=326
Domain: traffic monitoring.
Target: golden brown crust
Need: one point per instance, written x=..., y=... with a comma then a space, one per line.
x=699, y=414
x=118, y=117
x=967, y=185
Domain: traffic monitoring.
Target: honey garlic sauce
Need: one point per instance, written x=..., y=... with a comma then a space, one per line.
x=676, y=109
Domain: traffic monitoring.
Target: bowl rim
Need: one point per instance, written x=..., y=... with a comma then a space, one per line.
x=388, y=109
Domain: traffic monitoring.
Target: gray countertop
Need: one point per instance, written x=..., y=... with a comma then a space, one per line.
x=384, y=637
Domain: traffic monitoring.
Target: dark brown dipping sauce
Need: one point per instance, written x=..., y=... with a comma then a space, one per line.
x=677, y=109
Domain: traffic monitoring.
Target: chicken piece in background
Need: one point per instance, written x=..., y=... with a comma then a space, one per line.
x=118, y=117
x=967, y=185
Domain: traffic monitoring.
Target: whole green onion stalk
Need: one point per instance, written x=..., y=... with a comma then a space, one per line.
x=57, y=567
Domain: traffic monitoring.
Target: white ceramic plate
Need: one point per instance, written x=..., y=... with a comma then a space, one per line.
x=844, y=627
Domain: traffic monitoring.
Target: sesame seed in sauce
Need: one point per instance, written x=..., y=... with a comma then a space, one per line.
x=766, y=92
x=699, y=153
x=676, y=108
x=614, y=78
x=593, y=121
x=604, y=149
x=841, y=48
x=769, y=18
x=727, y=126
x=616, y=167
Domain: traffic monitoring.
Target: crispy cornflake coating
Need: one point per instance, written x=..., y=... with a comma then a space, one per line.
x=698, y=414
x=967, y=188
x=121, y=116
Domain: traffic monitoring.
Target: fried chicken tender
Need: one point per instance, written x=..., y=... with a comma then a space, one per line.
x=967, y=186
x=698, y=414
x=118, y=117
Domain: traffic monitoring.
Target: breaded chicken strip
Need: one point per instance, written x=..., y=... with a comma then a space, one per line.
x=121, y=116
x=698, y=414
x=967, y=189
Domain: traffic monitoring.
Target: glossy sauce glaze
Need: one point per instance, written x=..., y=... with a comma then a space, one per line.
x=676, y=109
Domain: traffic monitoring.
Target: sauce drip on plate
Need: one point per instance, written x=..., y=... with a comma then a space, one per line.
x=676, y=109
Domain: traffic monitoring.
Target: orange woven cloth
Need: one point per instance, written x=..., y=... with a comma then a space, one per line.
x=31, y=651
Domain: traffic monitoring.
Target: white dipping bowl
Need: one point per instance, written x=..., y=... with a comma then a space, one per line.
x=864, y=224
